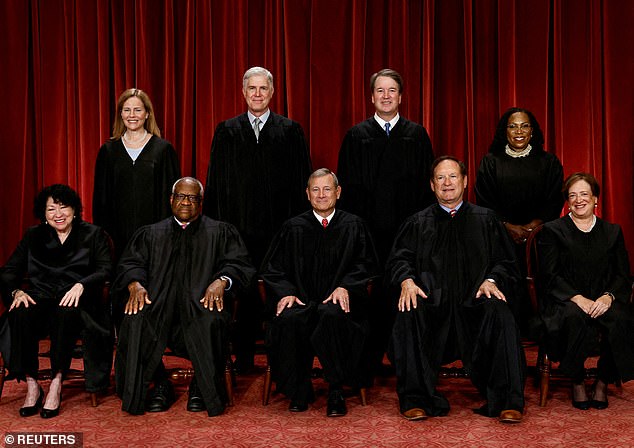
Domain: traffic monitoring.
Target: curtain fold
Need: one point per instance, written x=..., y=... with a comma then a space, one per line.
x=464, y=62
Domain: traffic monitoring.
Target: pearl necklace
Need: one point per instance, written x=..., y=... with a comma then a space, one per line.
x=127, y=139
x=515, y=154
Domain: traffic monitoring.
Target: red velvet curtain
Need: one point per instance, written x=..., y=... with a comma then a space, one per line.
x=464, y=62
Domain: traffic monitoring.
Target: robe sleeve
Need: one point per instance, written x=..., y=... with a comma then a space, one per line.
x=100, y=259
x=215, y=183
x=401, y=263
x=554, y=200
x=619, y=282
x=170, y=173
x=234, y=260
x=300, y=171
x=276, y=266
x=552, y=279
x=133, y=264
x=12, y=273
x=101, y=211
x=486, y=186
x=365, y=265
x=503, y=265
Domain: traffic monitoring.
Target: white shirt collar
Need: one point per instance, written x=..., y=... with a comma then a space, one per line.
x=382, y=122
x=265, y=116
x=447, y=209
x=319, y=217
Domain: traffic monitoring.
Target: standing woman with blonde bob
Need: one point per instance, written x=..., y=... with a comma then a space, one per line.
x=134, y=172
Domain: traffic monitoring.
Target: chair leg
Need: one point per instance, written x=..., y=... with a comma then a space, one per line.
x=362, y=392
x=266, y=390
x=544, y=371
x=229, y=383
x=2, y=372
x=93, y=399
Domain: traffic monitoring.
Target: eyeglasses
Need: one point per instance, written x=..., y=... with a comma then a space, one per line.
x=522, y=126
x=193, y=198
x=582, y=195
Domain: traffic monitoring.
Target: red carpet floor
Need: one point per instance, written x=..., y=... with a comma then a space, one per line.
x=249, y=424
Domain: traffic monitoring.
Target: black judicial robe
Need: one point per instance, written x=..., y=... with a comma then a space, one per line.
x=385, y=179
x=310, y=262
x=521, y=189
x=129, y=194
x=574, y=262
x=449, y=258
x=176, y=266
x=257, y=185
x=52, y=269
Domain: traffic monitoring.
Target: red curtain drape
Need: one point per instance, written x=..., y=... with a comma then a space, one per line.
x=464, y=62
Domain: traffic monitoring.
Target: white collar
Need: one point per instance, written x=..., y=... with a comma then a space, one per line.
x=320, y=218
x=263, y=117
x=382, y=122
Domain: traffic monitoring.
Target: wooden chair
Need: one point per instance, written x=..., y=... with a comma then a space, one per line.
x=266, y=390
x=181, y=374
x=46, y=374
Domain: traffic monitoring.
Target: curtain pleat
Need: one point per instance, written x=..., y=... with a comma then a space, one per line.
x=464, y=62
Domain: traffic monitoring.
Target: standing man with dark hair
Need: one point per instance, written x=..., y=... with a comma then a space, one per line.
x=455, y=267
x=257, y=174
x=383, y=168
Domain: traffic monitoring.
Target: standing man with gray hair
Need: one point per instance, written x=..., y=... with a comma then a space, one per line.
x=256, y=179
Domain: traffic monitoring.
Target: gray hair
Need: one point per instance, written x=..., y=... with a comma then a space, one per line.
x=257, y=71
x=323, y=172
x=188, y=179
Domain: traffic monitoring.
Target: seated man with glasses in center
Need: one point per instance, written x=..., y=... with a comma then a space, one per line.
x=173, y=281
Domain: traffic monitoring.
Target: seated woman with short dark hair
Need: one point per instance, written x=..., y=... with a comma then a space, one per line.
x=65, y=262
x=585, y=272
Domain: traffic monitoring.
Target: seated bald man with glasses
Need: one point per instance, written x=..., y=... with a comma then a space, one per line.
x=173, y=282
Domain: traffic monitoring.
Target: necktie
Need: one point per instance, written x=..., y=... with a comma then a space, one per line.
x=387, y=129
x=324, y=222
x=184, y=226
x=453, y=212
x=256, y=128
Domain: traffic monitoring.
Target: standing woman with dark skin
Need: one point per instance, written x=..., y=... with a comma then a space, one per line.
x=135, y=171
x=66, y=262
x=521, y=182
x=584, y=276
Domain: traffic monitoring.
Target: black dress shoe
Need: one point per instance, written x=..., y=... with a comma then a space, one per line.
x=27, y=411
x=336, y=404
x=195, y=401
x=298, y=406
x=162, y=397
x=50, y=413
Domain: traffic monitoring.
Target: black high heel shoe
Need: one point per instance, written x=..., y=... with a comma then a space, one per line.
x=27, y=411
x=599, y=404
x=50, y=413
x=583, y=405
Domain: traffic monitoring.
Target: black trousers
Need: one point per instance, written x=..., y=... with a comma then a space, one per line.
x=301, y=332
x=487, y=340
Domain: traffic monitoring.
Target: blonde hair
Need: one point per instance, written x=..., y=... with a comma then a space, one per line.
x=150, y=123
